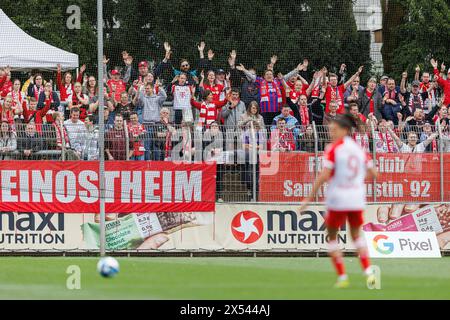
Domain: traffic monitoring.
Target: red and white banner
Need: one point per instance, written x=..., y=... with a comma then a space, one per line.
x=289, y=177
x=130, y=187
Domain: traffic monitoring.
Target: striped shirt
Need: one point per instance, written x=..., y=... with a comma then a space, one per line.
x=208, y=111
x=274, y=103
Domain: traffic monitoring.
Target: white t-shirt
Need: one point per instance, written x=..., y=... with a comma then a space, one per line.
x=346, y=188
x=419, y=148
x=181, y=97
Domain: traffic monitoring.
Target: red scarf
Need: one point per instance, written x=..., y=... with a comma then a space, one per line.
x=434, y=146
x=386, y=138
x=50, y=97
x=168, y=146
x=208, y=113
x=8, y=115
x=335, y=95
x=362, y=140
x=390, y=94
x=304, y=114
x=37, y=91
x=316, y=89
x=371, y=105
x=16, y=96
x=59, y=135
x=424, y=86
x=413, y=106
x=294, y=95
x=283, y=139
x=83, y=108
x=264, y=92
x=216, y=90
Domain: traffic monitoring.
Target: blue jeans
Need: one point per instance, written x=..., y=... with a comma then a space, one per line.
x=390, y=112
x=137, y=158
x=148, y=141
x=152, y=150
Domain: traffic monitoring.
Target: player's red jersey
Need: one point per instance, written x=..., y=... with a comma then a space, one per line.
x=346, y=189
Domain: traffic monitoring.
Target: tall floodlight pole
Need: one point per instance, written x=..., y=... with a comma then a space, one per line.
x=101, y=123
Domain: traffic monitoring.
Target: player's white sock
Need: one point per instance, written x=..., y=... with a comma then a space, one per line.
x=368, y=271
x=343, y=277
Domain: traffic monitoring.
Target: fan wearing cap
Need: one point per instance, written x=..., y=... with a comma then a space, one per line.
x=141, y=78
x=116, y=85
x=427, y=88
x=443, y=83
x=223, y=79
x=382, y=85
x=410, y=100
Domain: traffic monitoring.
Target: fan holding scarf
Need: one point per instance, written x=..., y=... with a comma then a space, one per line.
x=270, y=91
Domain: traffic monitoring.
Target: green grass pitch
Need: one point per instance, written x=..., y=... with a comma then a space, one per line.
x=221, y=278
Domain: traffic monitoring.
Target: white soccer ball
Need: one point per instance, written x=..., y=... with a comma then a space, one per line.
x=108, y=267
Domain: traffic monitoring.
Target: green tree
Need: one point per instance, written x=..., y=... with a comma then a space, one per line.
x=323, y=31
x=422, y=32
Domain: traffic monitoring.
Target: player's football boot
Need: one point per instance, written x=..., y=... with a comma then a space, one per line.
x=342, y=284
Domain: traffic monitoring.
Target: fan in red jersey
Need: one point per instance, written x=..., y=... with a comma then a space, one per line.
x=65, y=84
x=346, y=166
x=336, y=93
x=211, y=84
x=116, y=85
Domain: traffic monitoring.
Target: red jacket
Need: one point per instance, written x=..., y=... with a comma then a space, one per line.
x=7, y=115
x=5, y=86
x=38, y=114
x=62, y=87
x=120, y=85
x=216, y=90
x=445, y=85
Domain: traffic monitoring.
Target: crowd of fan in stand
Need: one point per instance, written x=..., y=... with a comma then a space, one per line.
x=280, y=108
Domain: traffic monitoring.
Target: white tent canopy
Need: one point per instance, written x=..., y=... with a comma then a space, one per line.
x=22, y=52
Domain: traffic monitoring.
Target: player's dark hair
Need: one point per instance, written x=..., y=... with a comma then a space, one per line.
x=346, y=121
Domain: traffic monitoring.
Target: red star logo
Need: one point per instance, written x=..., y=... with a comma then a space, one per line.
x=247, y=227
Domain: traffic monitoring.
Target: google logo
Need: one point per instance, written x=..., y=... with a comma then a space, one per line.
x=388, y=246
